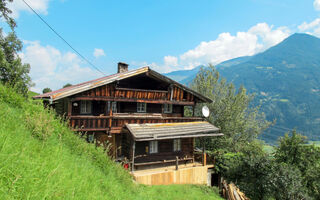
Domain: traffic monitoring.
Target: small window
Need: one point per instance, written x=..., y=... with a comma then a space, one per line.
x=90, y=138
x=141, y=107
x=177, y=145
x=153, y=147
x=114, y=106
x=85, y=107
x=167, y=108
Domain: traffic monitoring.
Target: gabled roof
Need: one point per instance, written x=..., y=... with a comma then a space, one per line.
x=162, y=131
x=75, y=89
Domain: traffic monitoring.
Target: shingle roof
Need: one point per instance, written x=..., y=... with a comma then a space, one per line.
x=161, y=131
x=74, y=89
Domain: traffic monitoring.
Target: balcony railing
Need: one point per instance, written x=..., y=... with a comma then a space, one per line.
x=116, y=122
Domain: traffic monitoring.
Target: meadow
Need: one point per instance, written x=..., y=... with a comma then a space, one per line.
x=42, y=159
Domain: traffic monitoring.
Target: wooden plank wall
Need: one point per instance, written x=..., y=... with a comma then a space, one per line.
x=180, y=95
x=88, y=122
x=110, y=91
x=192, y=175
x=165, y=148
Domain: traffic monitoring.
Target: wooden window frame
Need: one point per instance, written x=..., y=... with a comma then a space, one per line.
x=177, y=145
x=114, y=106
x=141, y=107
x=153, y=147
x=167, y=108
x=85, y=107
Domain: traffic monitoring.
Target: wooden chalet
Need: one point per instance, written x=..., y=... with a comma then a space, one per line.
x=141, y=113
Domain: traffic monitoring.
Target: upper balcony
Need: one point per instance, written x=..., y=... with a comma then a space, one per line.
x=115, y=122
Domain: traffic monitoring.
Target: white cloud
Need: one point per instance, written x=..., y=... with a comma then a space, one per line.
x=258, y=38
x=98, y=52
x=171, y=61
x=312, y=28
x=316, y=4
x=52, y=68
x=17, y=6
x=227, y=46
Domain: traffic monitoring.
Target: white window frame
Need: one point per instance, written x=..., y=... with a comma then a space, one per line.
x=177, y=145
x=141, y=107
x=85, y=107
x=167, y=108
x=153, y=146
x=114, y=106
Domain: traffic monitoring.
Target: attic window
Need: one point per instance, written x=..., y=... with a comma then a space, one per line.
x=141, y=107
x=85, y=107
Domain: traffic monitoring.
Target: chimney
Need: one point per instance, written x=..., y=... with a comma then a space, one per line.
x=122, y=67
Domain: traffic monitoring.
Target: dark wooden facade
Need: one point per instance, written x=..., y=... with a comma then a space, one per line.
x=107, y=124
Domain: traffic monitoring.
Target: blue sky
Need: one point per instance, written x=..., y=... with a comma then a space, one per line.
x=166, y=35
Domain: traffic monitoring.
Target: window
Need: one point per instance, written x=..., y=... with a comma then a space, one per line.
x=114, y=106
x=90, y=138
x=153, y=147
x=177, y=145
x=85, y=107
x=141, y=107
x=167, y=108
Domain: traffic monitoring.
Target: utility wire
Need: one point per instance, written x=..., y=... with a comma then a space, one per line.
x=84, y=58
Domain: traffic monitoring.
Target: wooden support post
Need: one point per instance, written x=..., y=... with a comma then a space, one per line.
x=114, y=143
x=69, y=108
x=177, y=162
x=204, y=157
x=110, y=114
x=133, y=152
x=193, y=109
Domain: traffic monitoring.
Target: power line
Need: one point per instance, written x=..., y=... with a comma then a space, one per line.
x=84, y=58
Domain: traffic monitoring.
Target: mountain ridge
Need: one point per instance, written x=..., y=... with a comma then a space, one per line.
x=286, y=81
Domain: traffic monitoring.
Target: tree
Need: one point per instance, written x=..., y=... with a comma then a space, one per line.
x=5, y=13
x=230, y=111
x=46, y=90
x=67, y=85
x=249, y=169
x=294, y=151
x=12, y=71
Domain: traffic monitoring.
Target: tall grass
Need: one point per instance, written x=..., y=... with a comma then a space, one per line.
x=40, y=158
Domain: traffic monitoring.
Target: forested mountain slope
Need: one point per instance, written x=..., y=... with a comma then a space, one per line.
x=286, y=81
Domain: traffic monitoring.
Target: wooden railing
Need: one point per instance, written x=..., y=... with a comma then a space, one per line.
x=90, y=123
x=109, y=92
x=104, y=123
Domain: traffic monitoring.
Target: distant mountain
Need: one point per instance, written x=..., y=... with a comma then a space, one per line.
x=286, y=80
x=182, y=74
x=188, y=78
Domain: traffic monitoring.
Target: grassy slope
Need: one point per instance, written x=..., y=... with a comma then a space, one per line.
x=42, y=159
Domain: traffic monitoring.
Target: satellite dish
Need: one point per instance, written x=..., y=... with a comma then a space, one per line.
x=205, y=111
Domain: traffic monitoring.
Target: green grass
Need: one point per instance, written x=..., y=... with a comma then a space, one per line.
x=42, y=159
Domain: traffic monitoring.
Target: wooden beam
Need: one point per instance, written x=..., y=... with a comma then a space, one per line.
x=91, y=129
x=160, y=101
x=133, y=154
x=141, y=90
x=204, y=157
x=69, y=108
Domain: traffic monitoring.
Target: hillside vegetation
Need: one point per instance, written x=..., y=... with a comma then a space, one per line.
x=42, y=159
